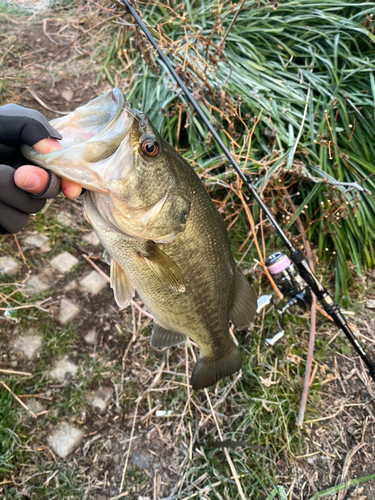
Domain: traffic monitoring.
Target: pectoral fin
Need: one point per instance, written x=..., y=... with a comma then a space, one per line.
x=164, y=267
x=123, y=289
x=244, y=304
x=161, y=337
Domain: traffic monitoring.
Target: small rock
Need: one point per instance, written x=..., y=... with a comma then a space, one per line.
x=370, y=304
x=37, y=240
x=100, y=399
x=64, y=262
x=68, y=311
x=93, y=283
x=27, y=345
x=351, y=430
x=63, y=369
x=9, y=266
x=65, y=439
x=91, y=239
x=116, y=458
x=35, y=285
x=141, y=460
x=64, y=218
x=67, y=94
x=91, y=337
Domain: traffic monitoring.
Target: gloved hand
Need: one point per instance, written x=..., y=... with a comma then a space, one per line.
x=18, y=126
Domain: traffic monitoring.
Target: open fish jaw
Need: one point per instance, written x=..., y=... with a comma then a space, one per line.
x=91, y=119
x=91, y=134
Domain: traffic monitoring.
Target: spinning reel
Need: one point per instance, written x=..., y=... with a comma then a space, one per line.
x=290, y=284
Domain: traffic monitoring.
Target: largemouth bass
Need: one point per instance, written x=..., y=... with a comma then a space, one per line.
x=160, y=229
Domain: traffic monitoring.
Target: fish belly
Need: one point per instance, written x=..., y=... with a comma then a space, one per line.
x=203, y=255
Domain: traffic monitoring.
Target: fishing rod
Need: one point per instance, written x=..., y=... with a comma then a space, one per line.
x=296, y=256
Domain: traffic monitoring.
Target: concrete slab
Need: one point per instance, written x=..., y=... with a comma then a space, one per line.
x=100, y=399
x=93, y=283
x=65, y=439
x=63, y=369
x=37, y=240
x=27, y=345
x=8, y=265
x=68, y=311
x=64, y=262
x=35, y=285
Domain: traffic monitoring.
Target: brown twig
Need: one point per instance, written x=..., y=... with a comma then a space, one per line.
x=262, y=263
x=345, y=469
x=17, y=398
x=42, y=103
x=222, y=42
x=97, y=268
x=129, y=448
x=28, y=306
x=310, y=351
x=14, y=372
x=20, y=251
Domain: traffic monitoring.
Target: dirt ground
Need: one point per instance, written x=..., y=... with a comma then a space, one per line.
x=339, y=442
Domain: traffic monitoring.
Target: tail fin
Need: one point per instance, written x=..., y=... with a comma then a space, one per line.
x=208, y=371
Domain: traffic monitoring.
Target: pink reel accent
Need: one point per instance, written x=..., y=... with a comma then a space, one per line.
x=280, y=265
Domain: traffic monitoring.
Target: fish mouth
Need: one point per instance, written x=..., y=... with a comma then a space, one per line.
x=92, y=119
x=91, y=133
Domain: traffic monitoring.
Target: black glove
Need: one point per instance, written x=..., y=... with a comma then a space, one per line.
x=18, y=126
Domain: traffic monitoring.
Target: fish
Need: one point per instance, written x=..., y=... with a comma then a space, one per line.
x=162, y=234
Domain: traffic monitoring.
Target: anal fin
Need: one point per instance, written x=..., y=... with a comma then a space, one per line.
x=245, y=302
x=123, y=289
x=161, y=337
x=208, y=371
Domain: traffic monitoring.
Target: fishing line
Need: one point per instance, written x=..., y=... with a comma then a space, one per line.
x=296, y=256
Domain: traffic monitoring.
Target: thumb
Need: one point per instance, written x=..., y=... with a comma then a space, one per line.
x=33, y=179
x=47, y=146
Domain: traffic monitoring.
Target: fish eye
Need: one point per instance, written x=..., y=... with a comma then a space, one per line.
x=150, y=147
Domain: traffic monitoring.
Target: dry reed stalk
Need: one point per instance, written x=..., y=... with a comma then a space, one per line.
x=18, y=399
